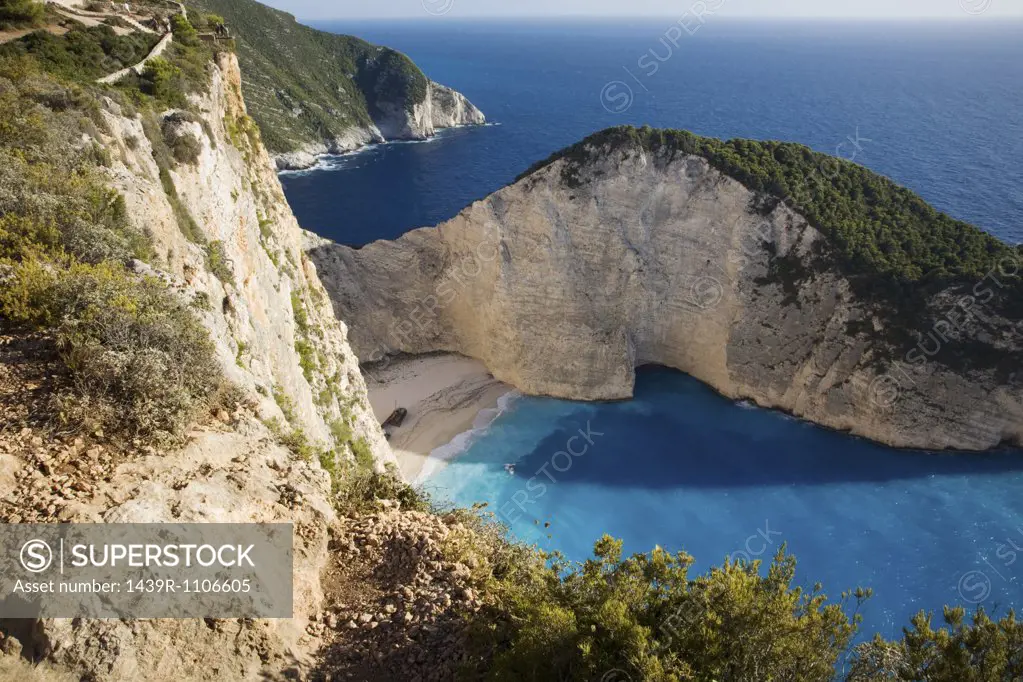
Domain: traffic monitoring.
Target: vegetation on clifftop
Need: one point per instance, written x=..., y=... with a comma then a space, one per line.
x=875, y=227
x=83, y=53
x=20, y=13
x=133, y=358
x=303, y=85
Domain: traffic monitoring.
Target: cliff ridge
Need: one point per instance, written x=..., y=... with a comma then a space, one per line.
x=621, y=252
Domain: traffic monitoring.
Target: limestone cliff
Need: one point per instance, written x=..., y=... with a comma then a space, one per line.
x=566, y=281
x=272, y=300
x=227, y=242
x=442, y=108
x=356, y=94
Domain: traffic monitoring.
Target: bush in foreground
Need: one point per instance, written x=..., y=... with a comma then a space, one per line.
x=139, y=360
x=646, y=618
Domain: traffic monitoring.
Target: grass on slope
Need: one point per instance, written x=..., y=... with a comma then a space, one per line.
x=304, y=85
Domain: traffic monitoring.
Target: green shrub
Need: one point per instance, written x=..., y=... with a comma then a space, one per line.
x=140, y=361
x=647, y=616
x=118, y=22
x=160, y=80
x=184, y=32
x=341, y=431
x=184, y=146
x=360, y=488
x=299, y=311
x=363, y=454
x=286, y=404
x=218, y=263
x=307, y=359
x=961, y=651
x=83, y=54
x=21, y=13
x=202, y=302
x=208, y=22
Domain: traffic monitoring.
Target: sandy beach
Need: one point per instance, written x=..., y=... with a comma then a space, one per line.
x=443, y=393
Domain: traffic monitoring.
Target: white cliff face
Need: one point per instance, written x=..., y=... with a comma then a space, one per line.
x=450, y=109
x=278, y=340
x=275, y=302
x=563, y=287
x=442, y=108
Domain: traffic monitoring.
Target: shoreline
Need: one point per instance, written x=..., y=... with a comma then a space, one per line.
x=445, y=395
x=318, y=165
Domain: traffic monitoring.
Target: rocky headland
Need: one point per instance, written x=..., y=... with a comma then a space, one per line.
x=644, y=247
x=360, y=93
x=169, y=353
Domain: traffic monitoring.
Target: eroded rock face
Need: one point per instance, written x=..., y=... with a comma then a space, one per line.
x=274, y=302
x=564, y=283
x=442, y=108
x=243, y=269
x=449, y=108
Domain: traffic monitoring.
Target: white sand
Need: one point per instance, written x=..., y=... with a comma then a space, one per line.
x=443, y=393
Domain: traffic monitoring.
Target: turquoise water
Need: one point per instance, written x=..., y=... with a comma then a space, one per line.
x=683, y=468
x=936, y=107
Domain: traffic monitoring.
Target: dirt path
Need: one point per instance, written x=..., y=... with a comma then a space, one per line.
x=137, y=68
x=66, y=8
x=8, y=36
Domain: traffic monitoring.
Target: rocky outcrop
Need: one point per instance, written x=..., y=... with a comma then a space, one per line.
x=316, y=92
x=227, y=242
x=450, y=109
x=566, y=281
x=271, y=300
x=442, y=108
x=306, y=156
x=408, y=617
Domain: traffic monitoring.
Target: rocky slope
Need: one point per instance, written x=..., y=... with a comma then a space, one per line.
x=358, y=94
x=566, y=281
x=237, y=259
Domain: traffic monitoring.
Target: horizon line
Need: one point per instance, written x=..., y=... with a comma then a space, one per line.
x=748, y=17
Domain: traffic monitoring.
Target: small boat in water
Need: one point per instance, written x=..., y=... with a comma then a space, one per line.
x=510, y=468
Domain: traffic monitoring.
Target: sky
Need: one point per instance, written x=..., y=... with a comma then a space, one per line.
x=965, y=10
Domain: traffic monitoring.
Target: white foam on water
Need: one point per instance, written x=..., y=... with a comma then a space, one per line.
x=439, y=457
x=334, y=162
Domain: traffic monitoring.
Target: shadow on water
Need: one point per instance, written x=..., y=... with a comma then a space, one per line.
x=703, y=440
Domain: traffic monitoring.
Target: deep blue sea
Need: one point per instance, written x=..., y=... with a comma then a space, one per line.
x=937, y=107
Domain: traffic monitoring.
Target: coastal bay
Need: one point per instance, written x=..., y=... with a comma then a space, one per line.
x=445, y=395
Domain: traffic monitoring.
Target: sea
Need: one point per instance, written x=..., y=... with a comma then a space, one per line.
x=937, y=106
